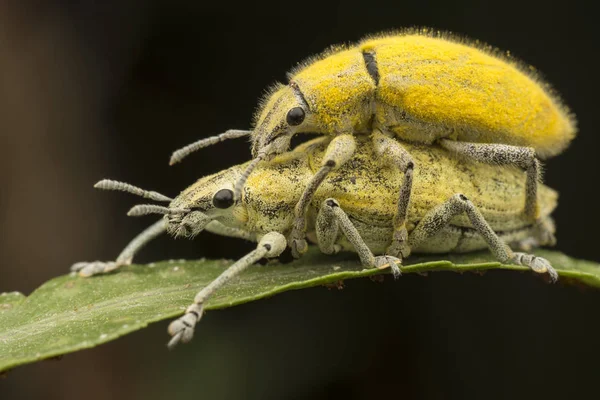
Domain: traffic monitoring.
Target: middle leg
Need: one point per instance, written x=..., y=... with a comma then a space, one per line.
x=87, y=269
x=392, y=152
x=330, y=220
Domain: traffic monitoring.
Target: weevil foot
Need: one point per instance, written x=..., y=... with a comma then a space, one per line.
x=393, y=262
x=544, y=232
x=537, y=264
x=87, y=269
x=299, y=247
x=399, y=247
x=526, y=244
x=298, y=243
x=182, y=329
x=336, y=248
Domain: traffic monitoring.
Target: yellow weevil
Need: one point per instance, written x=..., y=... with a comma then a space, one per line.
x=457, y=206
x=420, y=86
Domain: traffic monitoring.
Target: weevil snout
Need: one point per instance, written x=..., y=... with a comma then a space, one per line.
x=175, y=225
x=187, y=224
x=272, y=145
x=174, y=219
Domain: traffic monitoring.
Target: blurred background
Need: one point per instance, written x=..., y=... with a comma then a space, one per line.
x=108, y=89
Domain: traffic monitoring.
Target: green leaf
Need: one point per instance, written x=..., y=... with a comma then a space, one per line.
x=70, y=313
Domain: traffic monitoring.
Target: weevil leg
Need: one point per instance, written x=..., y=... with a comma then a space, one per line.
x=126, y=257
x=182, y=329
x=502, y=154
x=542, y=234
x=327, y=229
x=439, y=217
x=330, y=220
x=182, y=153
x=392, y=152
x=338, y=152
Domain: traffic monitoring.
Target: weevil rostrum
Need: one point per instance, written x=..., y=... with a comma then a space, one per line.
x=457, y=206
x=420, y=86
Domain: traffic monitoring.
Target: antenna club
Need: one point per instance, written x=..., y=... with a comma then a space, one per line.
x=146, y=209
x=104, y=184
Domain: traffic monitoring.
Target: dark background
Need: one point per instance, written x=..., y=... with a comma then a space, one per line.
x=95, y=89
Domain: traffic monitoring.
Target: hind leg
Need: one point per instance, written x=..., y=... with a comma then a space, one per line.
x=502, y=154
x=440, y=216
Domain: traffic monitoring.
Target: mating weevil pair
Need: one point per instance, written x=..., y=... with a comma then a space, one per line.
x=442, y=119
x=419, y=86
x=457, y=206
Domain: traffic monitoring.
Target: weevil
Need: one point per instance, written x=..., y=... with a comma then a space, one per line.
x=420, y=86
x=458, y=206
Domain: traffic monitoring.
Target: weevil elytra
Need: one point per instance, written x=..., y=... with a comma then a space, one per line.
x=457, y=206
x=420, y=86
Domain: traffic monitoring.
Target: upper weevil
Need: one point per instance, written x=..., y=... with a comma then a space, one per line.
x=417, y=85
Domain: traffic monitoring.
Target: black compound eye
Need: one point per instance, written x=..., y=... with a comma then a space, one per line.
x=223, y=198
x=295, y=116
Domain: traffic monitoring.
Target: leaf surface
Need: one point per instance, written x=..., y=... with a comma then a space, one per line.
x=70, y=313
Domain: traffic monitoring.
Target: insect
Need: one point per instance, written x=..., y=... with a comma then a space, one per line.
x=458, y=206
x=419, y=86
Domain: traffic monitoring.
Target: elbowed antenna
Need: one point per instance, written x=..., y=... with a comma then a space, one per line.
x=146, y=209
x=108, y=184
x=182, y=153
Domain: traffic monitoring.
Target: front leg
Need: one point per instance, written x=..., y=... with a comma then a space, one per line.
x=330, y=220
x=339, y=151
x=182, y=329
x=126, y=257
x=87, y=269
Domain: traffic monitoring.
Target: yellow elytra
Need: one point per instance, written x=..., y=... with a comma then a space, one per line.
x=421, y=86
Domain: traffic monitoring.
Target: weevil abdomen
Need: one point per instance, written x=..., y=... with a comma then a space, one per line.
x=368, y=192
x=431, y=87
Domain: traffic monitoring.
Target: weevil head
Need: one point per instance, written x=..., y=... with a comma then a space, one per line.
x=282, y=113
x=210, y=198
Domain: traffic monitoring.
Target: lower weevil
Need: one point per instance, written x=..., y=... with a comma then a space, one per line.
x=456, y=206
